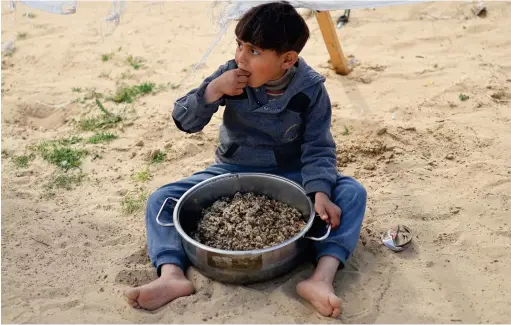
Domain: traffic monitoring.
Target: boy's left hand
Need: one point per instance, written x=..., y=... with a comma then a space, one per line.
x=327, y=210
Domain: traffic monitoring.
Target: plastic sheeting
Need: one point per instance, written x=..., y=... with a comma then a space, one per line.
x=65, y=7
x=238, y=8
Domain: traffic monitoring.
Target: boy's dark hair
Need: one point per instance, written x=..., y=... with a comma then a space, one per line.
x=273, y=26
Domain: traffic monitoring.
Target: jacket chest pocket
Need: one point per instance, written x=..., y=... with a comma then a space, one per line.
x=284, y=127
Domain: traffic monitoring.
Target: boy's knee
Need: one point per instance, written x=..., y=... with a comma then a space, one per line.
x=351, y=192
x=360, y=192
x=157, y=197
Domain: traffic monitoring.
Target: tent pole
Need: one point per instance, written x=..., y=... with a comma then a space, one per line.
x=332, y=43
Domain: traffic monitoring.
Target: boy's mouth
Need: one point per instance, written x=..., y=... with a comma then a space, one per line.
x=250, y=73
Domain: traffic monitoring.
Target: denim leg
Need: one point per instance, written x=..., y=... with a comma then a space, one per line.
x=351, y=197
x=164, y=243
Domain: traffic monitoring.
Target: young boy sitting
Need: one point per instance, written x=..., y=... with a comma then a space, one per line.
x=276, y=120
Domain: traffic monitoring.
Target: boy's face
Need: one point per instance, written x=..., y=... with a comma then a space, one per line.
x=263, y=65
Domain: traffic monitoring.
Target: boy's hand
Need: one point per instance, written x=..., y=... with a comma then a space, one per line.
x=230, y=83
x=327, y=210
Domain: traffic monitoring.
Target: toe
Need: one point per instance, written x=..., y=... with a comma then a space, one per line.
x=336, y=313
x=132, y=293
x=335, y=302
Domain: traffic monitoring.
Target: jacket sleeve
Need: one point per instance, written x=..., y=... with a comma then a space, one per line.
x=191, y=113
x=319, y=172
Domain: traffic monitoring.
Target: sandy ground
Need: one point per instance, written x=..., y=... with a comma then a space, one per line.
x=428, y=160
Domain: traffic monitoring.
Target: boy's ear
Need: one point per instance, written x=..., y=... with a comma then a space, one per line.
x=290, y=59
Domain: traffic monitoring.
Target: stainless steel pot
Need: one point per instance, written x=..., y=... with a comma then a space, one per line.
x=240, y=266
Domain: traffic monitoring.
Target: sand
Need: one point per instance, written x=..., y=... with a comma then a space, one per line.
x=428, y=160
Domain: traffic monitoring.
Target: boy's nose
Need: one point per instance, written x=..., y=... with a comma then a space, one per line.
x=241, y=58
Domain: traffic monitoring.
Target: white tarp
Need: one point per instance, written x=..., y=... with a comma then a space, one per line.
x=238, y=8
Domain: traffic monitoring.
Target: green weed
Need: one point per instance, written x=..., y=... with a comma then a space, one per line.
x=102, y=137
x=21, y=36
x=64, y=157
x=106, y=120
x=157, y=156
x=66, y=180
x=132, y=203
x=22, y=161
x=463, y=97
x=76, y=89
x=135, y=62
x=142, y=176
x=106, y=57
x=128, y=94
x=346, y=131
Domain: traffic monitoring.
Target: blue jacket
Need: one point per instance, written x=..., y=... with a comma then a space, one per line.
x=294, y=128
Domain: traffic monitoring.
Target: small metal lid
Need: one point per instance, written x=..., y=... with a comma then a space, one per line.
x=397, y=238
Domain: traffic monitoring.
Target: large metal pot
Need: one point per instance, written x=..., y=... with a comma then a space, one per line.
x=240, y=266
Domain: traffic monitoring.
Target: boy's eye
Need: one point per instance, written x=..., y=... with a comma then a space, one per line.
x=255, y=52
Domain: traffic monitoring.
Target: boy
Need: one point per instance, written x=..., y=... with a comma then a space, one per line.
x=277, y=120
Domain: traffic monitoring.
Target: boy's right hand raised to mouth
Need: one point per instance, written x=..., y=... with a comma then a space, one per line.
x=230, y=83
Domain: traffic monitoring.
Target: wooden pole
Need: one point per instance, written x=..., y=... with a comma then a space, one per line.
x=333, y=45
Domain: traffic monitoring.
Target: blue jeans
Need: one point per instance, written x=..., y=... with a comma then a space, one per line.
x=164, y=243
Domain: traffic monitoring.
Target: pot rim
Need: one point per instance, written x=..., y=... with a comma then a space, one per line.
x=192, y=241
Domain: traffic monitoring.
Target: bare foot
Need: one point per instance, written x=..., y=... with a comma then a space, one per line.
x=170, y=285
x=321, y=295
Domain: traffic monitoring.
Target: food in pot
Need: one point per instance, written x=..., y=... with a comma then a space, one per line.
x=248, y=221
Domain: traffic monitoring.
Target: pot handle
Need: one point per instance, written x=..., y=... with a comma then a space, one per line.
x=170, y=224
x=325, y=236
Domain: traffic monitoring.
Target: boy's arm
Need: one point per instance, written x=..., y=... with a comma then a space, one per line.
x=319, y=170
x=192, y=112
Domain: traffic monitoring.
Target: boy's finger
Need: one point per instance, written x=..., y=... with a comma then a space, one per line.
x=241, y=72
x=241, y=85
x=322, y=213
x=242, y=79
x=238, y=92
x=335, y=215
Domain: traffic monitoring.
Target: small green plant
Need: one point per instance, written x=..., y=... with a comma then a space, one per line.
x=106, y=57
x=102, y=137
x=133, y=202
x=76, y=89
x=142, y=176
x=60, y=152
x=68, y=141
x=29, y=15
x=463, y=97
x=66, y=180
x=346, y=131
x=124, y=95
x=22, y=35
x=158, y=156
x=128, y=94
x=22, y=161
x=145, y=88
x=106, y=120
x=135, y=62
x=64, y=157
